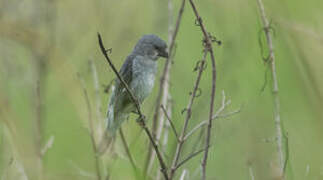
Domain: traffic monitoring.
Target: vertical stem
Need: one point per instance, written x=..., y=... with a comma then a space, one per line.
x=132, y=161
x=209, y=48
x=164, y=88
x=100, y=125
x=91, y=129
x=187, y=118
x=164, y=82
x=183, y=175
x=39, y=127
x=166, y=131
x=44, y=14
x=209, y=125
x=252, y=176
x=278, y=123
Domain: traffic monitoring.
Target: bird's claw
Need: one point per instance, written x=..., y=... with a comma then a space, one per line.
x=135, y=112
x=141, y=120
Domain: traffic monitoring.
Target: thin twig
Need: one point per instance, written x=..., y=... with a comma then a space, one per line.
x=183, y=175
x=167, y=124
x=307, y=171
x=141, y=119
x=133, y=98
x=166, y=128
x=224, y=104
x=187, y=117
x=132, y=161
x=286, y=144
x=217, y=115
x=252, y=176
x=48, y=145
x=164, y=85
x=170, y=121
x=38, y=118
x=197, y=143
x=189, y=157
x=100, y=119
x=39, y=123
x=8, y=119
x=227, y=114
x=91, y=129
x=278, y=123
x=99, y=129
x=81, y=171
x=168, y=62
x=209, y=48
x=201, y=124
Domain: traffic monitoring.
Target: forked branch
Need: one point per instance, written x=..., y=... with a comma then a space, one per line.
x=208, y=45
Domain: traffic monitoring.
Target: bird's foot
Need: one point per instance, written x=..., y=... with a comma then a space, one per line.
x=141, y=120
x=135, y=112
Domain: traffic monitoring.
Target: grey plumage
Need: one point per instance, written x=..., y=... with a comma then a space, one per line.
x=138, y=71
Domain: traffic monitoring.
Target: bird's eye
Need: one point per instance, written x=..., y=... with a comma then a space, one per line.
x=156, y=47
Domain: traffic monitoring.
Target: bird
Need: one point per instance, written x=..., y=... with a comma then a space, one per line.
x=138, y=71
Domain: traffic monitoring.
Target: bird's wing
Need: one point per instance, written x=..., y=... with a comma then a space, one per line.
x=126, y=73
x=121, y=101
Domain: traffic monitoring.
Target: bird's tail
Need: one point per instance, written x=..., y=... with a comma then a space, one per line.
x=106, y=143
x=109, y=134
x=114, y=122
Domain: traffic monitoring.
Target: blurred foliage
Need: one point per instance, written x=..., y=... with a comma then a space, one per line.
x=46, y=43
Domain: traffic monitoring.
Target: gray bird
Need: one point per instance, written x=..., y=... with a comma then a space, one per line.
x=138, y=71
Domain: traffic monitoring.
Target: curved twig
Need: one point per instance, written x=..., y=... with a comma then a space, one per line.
x=208, y=46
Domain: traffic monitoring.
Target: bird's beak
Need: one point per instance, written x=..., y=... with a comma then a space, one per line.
x=163, y=53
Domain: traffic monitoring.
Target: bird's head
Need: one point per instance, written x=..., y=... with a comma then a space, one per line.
x=152, y=46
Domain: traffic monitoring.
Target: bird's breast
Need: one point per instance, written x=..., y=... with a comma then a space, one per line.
x=143, y=78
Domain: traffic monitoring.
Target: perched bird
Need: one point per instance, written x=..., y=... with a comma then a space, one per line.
x=138, y=71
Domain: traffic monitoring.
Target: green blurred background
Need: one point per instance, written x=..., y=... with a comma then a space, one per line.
x=44, y=44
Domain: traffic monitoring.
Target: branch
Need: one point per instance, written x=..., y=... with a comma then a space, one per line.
x=278, y=123
x=224, y=104
x=164, y=83
x=189, y=157
x=133, y=98
x=100, y=119
x=168, y=62
x=39, y=120
x=91, y=129
x=132, y=161
x=167, y=127
x=307, y=171
x=215, y=116
x=167, y=124
x=227, y=114
x=170, y=121
x=183, y=175
x=208, y=46
x=252, y=176
x=188, y=117
x=48, y=145
x=81, y=171
x=203, y=123
x=141, y=118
